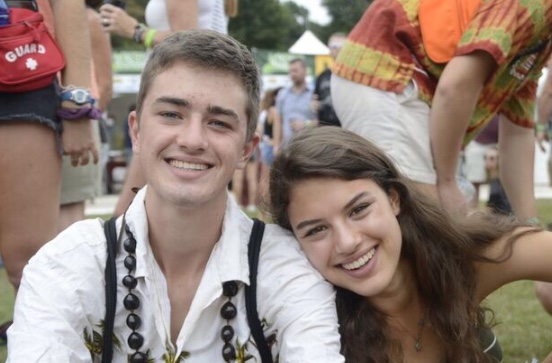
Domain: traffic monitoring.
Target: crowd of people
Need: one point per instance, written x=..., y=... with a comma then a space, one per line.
x=321, y=222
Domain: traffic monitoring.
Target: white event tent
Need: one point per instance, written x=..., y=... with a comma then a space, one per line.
x=309, y=44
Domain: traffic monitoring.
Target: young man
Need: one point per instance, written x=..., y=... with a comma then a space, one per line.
x=194, y=125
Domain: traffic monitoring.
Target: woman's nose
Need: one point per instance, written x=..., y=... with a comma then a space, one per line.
x=347, y=239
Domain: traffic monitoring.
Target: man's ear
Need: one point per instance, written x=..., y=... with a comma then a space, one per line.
x=395, y=201
x=248, y=150
x=134, y=129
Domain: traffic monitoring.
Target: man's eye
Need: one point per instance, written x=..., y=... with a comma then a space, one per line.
x=220, y=124
x=169, y=114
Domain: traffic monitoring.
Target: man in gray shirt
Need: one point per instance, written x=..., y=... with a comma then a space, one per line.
x=293, y=104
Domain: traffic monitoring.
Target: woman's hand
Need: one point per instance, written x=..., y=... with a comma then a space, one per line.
x=77, y=141
x=116, y=21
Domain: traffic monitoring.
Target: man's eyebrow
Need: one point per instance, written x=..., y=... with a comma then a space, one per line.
x=173, y=101
x=218, y=110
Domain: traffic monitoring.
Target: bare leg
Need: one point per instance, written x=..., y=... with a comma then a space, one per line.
x=70, y=213
x=474, y=203
x=29, y=191
x=251, y=173
x=237, y=186
x=134, y=179
x=263, y=193
x=544, y=294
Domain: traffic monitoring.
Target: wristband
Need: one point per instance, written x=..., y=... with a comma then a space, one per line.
x=540, y=127
x=71, y=114
x=148, y=40
x=138, y=31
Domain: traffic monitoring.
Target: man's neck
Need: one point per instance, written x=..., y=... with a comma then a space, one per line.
x=299, y=87
x=182, y=238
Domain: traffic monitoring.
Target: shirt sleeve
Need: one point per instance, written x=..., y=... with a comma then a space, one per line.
x=296, y=303
x=49, y=315
x=491, y=30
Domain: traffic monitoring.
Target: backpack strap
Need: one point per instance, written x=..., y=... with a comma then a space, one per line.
x=251, y=291
x=110, y=289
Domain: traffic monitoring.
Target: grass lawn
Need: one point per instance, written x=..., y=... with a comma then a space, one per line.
x=524, y=329
x=6, y=304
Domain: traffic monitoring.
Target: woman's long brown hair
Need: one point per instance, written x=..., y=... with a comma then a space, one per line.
x=441, y=249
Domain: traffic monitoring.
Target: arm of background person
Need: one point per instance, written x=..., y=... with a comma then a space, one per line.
x=276, y=128
x=73, y=39
x=516, y=147
x=544, y=108
x=182, y=15
x=453, y=105
x=101, y=59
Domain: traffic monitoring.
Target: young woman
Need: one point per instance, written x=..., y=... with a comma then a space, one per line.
x=410, y=278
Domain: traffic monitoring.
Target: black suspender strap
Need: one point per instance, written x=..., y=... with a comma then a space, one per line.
x=110, y=289
x=251, y=292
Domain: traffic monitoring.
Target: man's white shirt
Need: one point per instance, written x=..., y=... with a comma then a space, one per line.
x=60, y=305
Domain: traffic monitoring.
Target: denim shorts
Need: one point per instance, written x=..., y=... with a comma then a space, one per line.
x=33, y=106
x=267, y=153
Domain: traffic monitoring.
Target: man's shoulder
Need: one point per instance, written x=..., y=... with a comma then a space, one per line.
x=284, y=92
x=276, y=234
x=279, y=248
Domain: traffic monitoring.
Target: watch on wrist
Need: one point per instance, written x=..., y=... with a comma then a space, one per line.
x=78, y=96
x=138, y=31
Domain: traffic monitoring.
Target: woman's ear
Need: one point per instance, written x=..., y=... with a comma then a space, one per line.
x=395, y=200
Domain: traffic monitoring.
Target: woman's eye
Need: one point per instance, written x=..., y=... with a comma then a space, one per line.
x=315, y=230
x=359, y=209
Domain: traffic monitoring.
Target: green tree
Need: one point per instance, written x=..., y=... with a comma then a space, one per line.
x=344, y=14
x=267, y=24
